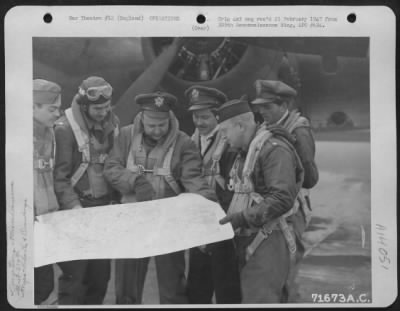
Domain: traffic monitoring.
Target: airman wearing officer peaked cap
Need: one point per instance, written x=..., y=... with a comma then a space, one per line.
x=272, y=103
x=272, y=91
x=213, y=269
x=152, y=159
x=201, y=97
x=156, y=105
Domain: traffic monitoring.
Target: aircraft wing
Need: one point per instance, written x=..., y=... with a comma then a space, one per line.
x=338, y=46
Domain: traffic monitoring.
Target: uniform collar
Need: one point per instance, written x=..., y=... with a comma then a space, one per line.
x=211, y=134
x=283, y=117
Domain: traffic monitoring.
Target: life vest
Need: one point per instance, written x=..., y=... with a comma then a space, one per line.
x=245, y=196
x=155, y=166
x=94, y=155
x=211, y=167
x=291, y=123
x=45, y=200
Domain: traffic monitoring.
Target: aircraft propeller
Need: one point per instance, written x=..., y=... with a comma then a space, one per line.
x=147, y=82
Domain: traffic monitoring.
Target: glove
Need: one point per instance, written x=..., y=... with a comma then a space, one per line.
x=210, y=248
x=207, y=248
x=202, y=248
x=237, y=220
x=143, y=189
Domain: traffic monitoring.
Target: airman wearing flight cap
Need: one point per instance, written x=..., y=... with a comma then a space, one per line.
x=265, y=178
x=272, y=102
x=84, y=137
x=46, y=110
x=212, y=267
x=153, y=159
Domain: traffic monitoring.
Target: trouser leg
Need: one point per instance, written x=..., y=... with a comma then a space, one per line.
x=44, y=283
x=130, y=275
x=200, y=286
x=96, y=280
x=71, y=288
x=264, y=275
x=171, y=278
x=299, y=226
x=291, y=288
x=225, y=271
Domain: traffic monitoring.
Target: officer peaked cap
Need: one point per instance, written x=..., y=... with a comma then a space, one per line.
x=158, y=101
x=201, y=97
x=272, y=91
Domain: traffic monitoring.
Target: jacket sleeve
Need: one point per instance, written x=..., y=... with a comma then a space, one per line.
x=305, y=148
x=64, y=168
x=115, y=171
x=191, y=177
x=278, y=172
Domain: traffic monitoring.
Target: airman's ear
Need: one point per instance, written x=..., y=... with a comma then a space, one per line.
x=36, y=106
x=284, y=105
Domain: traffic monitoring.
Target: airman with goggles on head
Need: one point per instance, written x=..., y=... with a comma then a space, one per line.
x=84, y=137
x=94, y=96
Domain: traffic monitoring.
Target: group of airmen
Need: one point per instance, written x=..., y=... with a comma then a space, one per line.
x=258, y=171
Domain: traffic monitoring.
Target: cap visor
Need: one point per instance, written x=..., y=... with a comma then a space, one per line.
x=200, y=106
x=262, y=101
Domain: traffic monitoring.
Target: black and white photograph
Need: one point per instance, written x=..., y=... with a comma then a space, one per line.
x=201, y=170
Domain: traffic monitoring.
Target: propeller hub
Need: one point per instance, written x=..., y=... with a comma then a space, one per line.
x=202, y=59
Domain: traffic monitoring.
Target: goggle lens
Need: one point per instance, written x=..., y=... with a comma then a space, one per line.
x=93, y=93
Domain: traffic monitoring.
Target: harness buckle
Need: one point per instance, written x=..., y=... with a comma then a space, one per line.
x=231, y=185
x=100, y=159
x=142, y=170
x=43, y=164
x=103, y=157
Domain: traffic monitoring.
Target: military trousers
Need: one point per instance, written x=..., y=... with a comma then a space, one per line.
x=83, y=282
x=264, y=276
x=299, y=226
x=214, y=271
x=44, y=283
x=130, y=275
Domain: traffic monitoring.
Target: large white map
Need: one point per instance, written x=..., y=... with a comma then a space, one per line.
x=132, y=230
